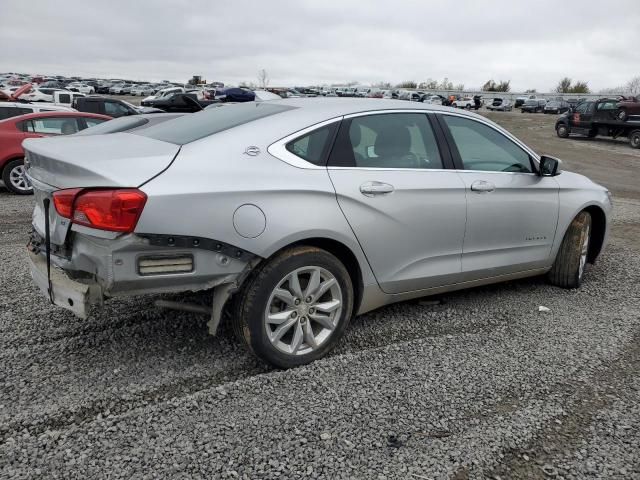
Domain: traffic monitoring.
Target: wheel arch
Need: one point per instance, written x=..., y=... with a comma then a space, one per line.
x=8, y=160
x=343, y=253
x=598, y=231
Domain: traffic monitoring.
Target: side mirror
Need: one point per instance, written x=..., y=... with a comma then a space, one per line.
x=549, y=166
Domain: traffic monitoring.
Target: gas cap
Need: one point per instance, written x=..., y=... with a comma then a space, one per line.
x=249, y=221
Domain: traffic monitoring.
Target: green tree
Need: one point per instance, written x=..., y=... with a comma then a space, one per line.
x=492, y=86
x=407, y=84
x=564, y=85
x=579, y=87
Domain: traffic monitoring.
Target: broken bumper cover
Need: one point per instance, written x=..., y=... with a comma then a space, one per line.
x=65, y=292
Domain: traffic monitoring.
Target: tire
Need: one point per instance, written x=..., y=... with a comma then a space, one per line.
x=634, y=139
x=562, y=130
x=622, y=115
x=258, y=297
x=569, y=266
x=14, y=179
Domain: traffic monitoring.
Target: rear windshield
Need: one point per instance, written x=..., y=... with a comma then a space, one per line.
x=531, y=102
x=195, y=126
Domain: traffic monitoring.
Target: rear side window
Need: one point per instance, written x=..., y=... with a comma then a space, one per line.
x=88, y=106
x=52, y=126
x=195, y=126
x=64, y=98
x=390, y=140
x=313, y=147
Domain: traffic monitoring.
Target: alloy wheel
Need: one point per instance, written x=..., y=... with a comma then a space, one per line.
x=303, y=310
x=18, y=179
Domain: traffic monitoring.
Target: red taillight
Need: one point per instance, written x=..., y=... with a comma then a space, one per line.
x=114, y=210
x=63, y=201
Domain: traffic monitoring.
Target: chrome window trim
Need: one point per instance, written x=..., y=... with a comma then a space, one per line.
x=278, y=149
x=385, y=169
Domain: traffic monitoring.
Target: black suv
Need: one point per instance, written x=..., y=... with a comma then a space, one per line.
x=105, y=106
x=534, y=105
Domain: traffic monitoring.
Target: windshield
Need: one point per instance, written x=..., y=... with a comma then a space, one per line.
x=531, y=102
x=195, y=126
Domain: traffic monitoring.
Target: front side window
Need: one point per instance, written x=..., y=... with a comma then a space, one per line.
x=394, y=140
x=115, y=109
x=484, y=148
x=313, y=147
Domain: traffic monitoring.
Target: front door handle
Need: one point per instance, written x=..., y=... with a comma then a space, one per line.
x=375, y=188
x=481, y=186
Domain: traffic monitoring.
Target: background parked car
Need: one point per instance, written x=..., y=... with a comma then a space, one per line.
x=81, y=88
x=500, y=104
x=142, y=90
x=109, y=106
x=40, y=94
x=14, y=130
x=163, y=93
x=534, y=105
x=557, y=106
x=14, y=109
x=432, y=99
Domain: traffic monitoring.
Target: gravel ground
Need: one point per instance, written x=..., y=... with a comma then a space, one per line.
x=481, y=385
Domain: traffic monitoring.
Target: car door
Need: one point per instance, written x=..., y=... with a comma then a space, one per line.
x=512, y=212
x=406, y=208
x=582, y=117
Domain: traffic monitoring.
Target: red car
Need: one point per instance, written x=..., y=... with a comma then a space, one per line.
x=14, y=130
x=627, y=107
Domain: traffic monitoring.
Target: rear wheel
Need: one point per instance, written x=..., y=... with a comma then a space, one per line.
x=14, y=178
x=622, y=115
x=295, y=308
x=568, y=269
x=634, y=139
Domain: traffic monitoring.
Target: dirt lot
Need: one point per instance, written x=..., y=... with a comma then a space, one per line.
x=479, y=386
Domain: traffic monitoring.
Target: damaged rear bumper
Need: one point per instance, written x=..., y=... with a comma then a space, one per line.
x=65, y=292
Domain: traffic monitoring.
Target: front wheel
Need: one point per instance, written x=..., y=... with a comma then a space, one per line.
x=562, y=131
x=622, y=115
x=568, y=269
x=634, y=139
x=15, y=179
x=295, y=308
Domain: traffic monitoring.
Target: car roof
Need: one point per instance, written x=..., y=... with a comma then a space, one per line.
x=322, y=107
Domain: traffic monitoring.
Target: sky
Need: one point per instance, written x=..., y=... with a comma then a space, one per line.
x=531, y=43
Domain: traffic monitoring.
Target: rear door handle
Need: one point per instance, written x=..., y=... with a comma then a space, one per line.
x=481, y=186
x=375, y=188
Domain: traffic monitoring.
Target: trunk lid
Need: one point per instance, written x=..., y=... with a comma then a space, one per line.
x=114, y=160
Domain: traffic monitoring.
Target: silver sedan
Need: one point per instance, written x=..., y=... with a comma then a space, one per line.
x=295, y=215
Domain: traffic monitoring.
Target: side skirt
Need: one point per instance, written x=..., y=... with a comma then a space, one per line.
x=373, y=297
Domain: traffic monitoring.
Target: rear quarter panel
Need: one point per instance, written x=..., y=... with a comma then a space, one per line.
x=211, y=178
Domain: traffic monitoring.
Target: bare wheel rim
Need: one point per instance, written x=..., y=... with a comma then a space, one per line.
x=18, y=179
x=584, y=250
x=303, y=310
